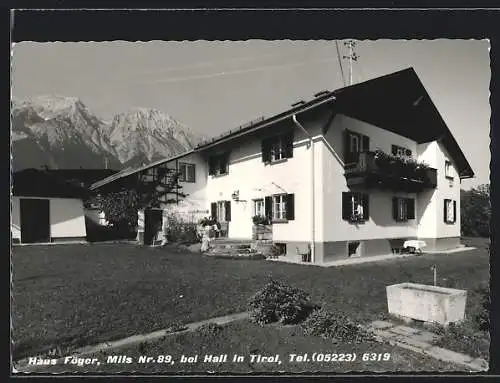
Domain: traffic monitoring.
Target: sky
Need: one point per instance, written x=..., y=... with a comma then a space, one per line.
x=213, y=87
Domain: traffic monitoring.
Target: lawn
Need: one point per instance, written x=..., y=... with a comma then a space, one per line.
x=75, y=295
x=244, y=338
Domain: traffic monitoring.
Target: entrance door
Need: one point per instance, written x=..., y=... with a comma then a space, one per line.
x=35, y=220
x=152, y=224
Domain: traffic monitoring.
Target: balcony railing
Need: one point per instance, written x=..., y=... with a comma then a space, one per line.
x=380, y=170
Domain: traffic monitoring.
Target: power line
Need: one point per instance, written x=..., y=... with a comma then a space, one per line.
x=340, y=61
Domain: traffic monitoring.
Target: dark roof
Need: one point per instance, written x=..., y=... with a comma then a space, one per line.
x=397, y=102
x=40, y=183
x=82, y=177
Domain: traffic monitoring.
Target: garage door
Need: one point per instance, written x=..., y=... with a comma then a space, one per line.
x=35, y=220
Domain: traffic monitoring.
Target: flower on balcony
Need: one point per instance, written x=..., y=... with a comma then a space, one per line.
x=400, y=166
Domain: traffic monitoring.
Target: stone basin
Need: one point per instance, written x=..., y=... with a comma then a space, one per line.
x=426, y=303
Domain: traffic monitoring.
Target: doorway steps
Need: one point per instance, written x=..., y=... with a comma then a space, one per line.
x=234, y=248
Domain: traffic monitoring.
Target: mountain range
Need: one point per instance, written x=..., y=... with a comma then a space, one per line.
x=60, y=132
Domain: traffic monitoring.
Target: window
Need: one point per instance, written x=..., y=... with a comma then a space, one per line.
x=280, y=207
x=221, y=211
x=403, y=209
x=355, y=207
x=354, y=144
x=187, y=172
x=258, y=207
x=400, y=151
x=448, y=170
x=218, y=165
x=153, y=173
x=450, y=211
x=277, y=148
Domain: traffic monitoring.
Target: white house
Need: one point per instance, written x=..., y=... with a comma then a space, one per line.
x=353, y=172
x=45, y=209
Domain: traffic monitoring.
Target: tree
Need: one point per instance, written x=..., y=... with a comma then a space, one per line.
x=475, y=211
x=121, y=201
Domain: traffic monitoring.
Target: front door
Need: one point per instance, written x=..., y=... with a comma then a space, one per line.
x=35, y=220
x=152, y=224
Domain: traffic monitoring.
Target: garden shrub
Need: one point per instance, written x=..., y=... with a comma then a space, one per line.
x=482, y=316
x=180, y=231
x=335, y=325
x=463, y=337
x=278, y=301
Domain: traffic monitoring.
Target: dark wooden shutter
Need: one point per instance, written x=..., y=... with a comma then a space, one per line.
x=366, y=206
x=268, y=207
x=445, y=210
x=346, y=205
x=395, y=210
x=289, y=145
x=213, y=210
x=191, y=173
x=227, y=209
x=290, y=207
x=366, y=143
x=454, y=211
x=394, y=150
x=211, y=165
x=347, y=151
x=266, y=150
x=410, y=208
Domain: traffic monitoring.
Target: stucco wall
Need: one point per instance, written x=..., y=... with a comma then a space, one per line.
x=254, y=179
x=380, y=224
x=66, y=218
x=194, y=206
x=432, y=223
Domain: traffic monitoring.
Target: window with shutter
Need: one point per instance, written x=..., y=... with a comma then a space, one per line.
x=355, y=207
x=186, y=172
x=277, y=148
x=218, y=164
x=355, y=143
x=448, y=212
x=279, y=207
x=403, y=209
x=400, y=151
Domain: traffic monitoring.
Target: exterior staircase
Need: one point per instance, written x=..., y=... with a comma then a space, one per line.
x=235, y=248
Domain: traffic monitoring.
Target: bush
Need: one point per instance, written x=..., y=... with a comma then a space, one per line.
x=260, y=220
x=207, y=221
x=278, y=301
x=329, y=324
x=182, y=232
x=463, y=337
x=482, y=316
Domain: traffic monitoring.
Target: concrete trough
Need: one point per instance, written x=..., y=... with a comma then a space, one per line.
x=426, y=303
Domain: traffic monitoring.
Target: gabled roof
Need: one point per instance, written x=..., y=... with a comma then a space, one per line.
x=40, y=183
x=397, y=102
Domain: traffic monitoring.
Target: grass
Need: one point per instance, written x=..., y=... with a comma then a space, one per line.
x=76, y=295
x=245, y=338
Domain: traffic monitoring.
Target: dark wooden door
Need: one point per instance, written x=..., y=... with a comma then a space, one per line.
x=152, y=224
x=35, y=220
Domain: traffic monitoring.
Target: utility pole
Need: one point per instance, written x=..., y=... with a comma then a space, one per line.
x=351, y=44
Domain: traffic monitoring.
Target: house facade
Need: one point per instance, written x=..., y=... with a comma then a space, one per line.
x=354, y=172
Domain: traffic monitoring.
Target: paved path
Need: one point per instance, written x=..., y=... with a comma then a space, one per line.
x=375, y=258
x=420, y=341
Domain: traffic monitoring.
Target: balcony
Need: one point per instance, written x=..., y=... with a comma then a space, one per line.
x=382, y=171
